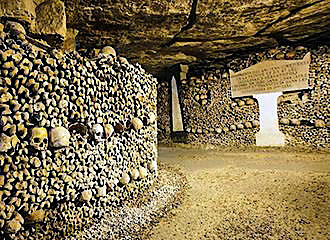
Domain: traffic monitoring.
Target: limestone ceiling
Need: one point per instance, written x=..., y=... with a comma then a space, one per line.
x=159, y=33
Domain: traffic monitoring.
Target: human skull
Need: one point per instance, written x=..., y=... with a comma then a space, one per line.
x=143, y=172
x=97, y=132
x=107, y=50
x=101, y=191
x=13, y=226
x=59, y=137
x=135, y=173
x=153, y=166
x=123, y=61
x=16, y=27
x=137, y=123
x=152, y=117
x=124, y=179
x=78, y=128
x=86, y=195
x=39, y=138
x=108, y=128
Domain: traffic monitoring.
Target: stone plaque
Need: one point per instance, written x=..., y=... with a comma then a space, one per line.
x=271, y=76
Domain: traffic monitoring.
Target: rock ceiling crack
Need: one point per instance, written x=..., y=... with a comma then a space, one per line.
x=190, y=23
x=282, y=18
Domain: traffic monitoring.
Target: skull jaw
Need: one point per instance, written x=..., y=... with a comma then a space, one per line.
x=63, y=142
x=39, y=146
x=99, y=139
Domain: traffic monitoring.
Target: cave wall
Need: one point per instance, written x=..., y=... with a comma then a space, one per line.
x=158, y=34
x=77, y=137
x=211, y=116
x=43, y=20
x=162, y=33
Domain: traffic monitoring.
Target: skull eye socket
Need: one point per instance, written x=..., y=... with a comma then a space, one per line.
x=45, y=141
x=36, y=140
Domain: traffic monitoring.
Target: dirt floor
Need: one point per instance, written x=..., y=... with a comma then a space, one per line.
x=259, y=194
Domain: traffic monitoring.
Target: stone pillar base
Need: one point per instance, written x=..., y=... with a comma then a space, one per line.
x=274, y=139
x=269, y=134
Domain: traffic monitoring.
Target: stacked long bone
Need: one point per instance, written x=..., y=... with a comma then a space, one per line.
x=77, y=136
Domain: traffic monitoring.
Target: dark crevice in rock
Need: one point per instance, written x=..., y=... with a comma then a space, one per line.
x=319, y=38
x=4, y=19
x=278, y=37
x=234, y=55
x=210, y=40
x=190, y=23
x=54, y=40
x=280, y=19
x=39, y=44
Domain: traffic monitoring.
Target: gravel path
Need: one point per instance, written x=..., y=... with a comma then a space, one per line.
x=251, y=194
x=135, y=220
x=266, y=194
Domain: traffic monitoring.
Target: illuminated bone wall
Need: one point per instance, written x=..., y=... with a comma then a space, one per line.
x=211, y=116
x=77, y=137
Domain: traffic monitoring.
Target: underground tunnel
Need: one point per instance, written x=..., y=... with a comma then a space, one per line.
x=190, y=119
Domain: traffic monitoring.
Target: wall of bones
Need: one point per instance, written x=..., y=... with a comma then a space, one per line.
x=77, y=137
x=211, y=116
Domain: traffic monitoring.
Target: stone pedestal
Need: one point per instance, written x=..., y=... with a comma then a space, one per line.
x=269, y=134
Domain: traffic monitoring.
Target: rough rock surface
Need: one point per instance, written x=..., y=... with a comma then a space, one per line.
x=162, y=33
x=51, y=18
x=19, y=9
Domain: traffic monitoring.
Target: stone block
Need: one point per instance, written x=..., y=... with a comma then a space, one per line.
x=183, y=76
x=23, y=10
x=51, y=18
